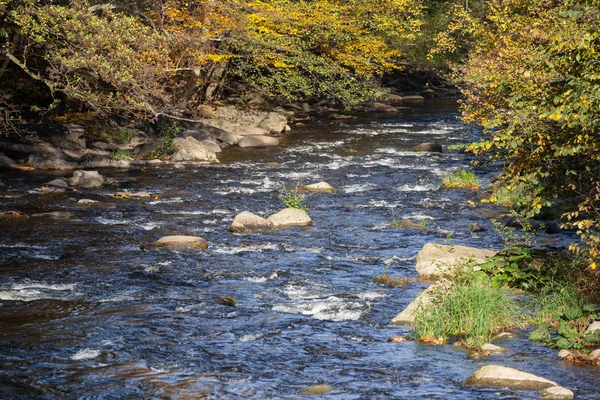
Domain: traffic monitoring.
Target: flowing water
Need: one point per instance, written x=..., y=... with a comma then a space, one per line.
x=85, y=312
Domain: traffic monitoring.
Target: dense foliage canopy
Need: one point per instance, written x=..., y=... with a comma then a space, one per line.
x=147, y=57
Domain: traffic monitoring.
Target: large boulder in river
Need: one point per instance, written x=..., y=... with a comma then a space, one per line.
x=258, y=141
x=182, y=242
x=190, y=149
x=438, y=259
x=319, y=187
x=246, y=222
x=289, y=217
x=87, y=179
x=428, y=147
x=504, y=377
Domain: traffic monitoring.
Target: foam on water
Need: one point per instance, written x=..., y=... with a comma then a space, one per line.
x=236, y=250
x=332, y=308
x=85, y=354
x=166, y=201
x=357, y=188
x=262, y=279
x=416, y=188
x=31, y=291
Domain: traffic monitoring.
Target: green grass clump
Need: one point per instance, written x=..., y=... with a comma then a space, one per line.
x=460, y=179
x=119, y=155
x=473, y=310
x=293, y=199
x=554, y=300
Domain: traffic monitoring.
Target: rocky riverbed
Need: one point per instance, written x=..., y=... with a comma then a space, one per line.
x=92, y=302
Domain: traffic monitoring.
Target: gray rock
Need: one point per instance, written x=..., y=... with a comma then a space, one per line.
x=50, y=161
x=379, y=108
x=182, y=242
x=564, y=354
x=60, y=183
x=393, y=99
x=504, y=335
x=87, y=179
x=189, y=149
x=493, y=349
x=407, y=316
x=246, y=222
x=105, y=163
x=504, y=377
x=273, y=123
x=413, y=99
x=556, y=393
x=211, y=145
x=87, y=202
x=6, y=162
x=258, y=141
x=226, y=137
x=198, y=134
x=247, y=130
x=436, y=259
x=595, y=355
x=428, y=147
x=594, y=326
x=289, y=217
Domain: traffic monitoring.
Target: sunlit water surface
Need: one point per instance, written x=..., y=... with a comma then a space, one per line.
x=86, y=313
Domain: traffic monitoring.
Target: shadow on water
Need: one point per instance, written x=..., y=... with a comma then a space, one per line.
x=85, y=312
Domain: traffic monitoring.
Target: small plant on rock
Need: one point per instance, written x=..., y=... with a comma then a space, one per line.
x=460, y=179
x=293, y=199
x=119, y=155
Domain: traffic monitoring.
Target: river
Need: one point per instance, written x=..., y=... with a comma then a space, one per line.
x=85, y=312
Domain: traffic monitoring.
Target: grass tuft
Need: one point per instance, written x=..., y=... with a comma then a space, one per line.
x=473, y=310
x=460, y=179
x=119, y=155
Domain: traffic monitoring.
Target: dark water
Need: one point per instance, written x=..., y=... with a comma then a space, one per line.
x=85, y=313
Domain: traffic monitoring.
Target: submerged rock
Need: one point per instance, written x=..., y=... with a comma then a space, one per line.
x=556, y=393
x=258, y=141
x=289, y=217
x=505, y=377
x=428, y=147
x=181, y=241
x=436, y=259
x=317, y=390
x=246, y=222
x=319, y=187
x=87, y=179
x=492, y=349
